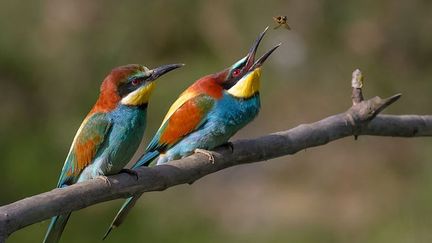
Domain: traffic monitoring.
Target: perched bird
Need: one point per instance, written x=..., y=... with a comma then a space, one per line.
x=281, y=21
x=205, y=116
x=110, y=133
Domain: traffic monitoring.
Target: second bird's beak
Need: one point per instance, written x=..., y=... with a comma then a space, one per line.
x=159, y=71
x=248, y=85
x=251, y=63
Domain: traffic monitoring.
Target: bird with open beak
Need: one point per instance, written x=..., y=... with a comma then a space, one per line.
x=206, y=115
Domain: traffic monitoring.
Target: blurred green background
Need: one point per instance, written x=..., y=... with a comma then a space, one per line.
x=55, y=53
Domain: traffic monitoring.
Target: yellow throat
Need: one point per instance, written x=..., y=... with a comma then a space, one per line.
x=247, y=86
x=140, y=96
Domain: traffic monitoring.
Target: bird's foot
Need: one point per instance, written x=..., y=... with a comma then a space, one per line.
x=206, y=153
x=105, y=179
x=130, y=172
x=229, y=145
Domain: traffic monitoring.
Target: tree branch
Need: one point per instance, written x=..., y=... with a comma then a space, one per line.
x=361, y=119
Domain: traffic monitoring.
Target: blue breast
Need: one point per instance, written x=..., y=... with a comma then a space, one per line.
x=126, y=133
x=234, y=113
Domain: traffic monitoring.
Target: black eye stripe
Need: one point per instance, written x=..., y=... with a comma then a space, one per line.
x=139, y=78
x=232, y=79
x=131, y=85
x=239, y=67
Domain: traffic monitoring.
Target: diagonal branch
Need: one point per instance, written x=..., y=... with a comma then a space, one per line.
x=361, y=119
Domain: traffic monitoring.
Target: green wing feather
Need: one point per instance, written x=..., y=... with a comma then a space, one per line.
x=86, y=143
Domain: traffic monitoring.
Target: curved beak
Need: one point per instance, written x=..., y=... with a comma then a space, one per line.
x=251, y=63
x=264, y=57
x=254, y=48
x=159, y=71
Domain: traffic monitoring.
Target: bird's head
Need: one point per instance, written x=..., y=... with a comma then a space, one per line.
x=242, y=79
x=130, y=85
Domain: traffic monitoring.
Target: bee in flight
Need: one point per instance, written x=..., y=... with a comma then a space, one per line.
x=281, y=21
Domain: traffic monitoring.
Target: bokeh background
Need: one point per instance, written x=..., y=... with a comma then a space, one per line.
x=55, y=53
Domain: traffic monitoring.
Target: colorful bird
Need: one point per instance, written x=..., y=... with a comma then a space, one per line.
x=205, y=116
x=110, y=133
x=281, y=21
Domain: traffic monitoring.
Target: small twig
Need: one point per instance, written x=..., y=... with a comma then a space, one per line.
x=357, y=84
x=363, y=111
x=384, y=103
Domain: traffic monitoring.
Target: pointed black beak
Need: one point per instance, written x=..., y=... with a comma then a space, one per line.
x=264, y=57
x=159, y=71
x=253, y=50
x=251, y=64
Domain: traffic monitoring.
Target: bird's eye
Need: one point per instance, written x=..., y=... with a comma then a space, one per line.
x=135, y=82
x=236, y=73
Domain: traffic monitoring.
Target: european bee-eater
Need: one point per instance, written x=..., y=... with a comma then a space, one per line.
x=206, y=115
x=110, y=133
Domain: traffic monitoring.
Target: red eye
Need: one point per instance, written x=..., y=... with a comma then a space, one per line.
x=135, y=82
x=236, y=73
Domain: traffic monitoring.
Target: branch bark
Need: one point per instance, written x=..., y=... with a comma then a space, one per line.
x=361, y=119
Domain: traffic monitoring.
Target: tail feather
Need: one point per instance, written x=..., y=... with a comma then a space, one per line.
x=56, y=228
x=145, y=160
x=122, y=213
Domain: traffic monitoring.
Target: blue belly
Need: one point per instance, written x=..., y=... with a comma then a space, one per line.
x=229, y=115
